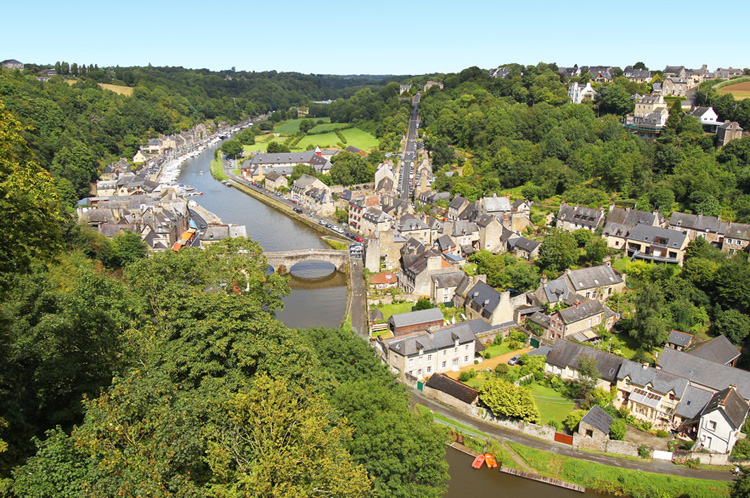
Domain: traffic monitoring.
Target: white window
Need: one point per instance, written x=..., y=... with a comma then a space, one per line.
x=455, y=362
x=712, y=425
x=443, y=365
x=467, y=347
x=421, y=360
x=429, y=369
x=411, y=362
x=466, y=359
x=429, y=357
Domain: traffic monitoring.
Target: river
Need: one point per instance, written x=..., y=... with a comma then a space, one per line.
x=318, y=293
x=318, y=299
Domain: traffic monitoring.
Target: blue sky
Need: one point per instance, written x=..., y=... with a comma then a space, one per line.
x=386, y=37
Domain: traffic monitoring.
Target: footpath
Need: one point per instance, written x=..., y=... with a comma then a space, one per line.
x=503, y=434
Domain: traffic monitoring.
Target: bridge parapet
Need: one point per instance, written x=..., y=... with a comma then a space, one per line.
x=290, y=258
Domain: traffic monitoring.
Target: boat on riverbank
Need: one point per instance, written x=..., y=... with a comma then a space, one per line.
x=478, y=461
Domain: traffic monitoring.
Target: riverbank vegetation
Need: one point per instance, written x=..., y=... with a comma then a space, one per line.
x=124, y=374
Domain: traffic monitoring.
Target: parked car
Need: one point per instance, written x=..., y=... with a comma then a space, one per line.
x=514, y=360
x=298, y=209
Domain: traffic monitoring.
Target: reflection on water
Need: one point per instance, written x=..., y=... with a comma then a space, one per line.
x=491, y=483
x=315, y=303
x=313, y=270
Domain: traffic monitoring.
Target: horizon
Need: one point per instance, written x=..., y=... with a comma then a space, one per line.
x=393, y=40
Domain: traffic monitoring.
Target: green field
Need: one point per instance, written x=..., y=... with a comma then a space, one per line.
x=326, y=127
x=495, y=350
x=551, y=404
x=395, y=309
x=354, y=136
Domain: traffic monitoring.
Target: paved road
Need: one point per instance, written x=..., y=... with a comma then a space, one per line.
x=654, y=466
x=410, y=153
x=358, y=299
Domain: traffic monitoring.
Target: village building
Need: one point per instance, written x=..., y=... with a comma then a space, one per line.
x=620, y=222
x=578, y=93
x=444, y=286
x=679, y=340
x=415, y=321
x=274, y=181
x=657, y=244
x=423, y=354
x=572, y=218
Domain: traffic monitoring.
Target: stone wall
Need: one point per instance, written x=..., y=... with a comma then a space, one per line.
x=449, y=400
x=545, y=432
x=602, y=443
x=622, y=448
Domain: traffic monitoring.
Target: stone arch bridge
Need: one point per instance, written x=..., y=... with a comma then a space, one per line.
x=288, y=259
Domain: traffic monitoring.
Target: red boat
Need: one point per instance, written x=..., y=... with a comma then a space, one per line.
x=478, y=461
x=491, y=462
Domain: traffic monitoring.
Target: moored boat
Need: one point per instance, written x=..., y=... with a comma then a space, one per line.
x=490, y=461
x=478, y=461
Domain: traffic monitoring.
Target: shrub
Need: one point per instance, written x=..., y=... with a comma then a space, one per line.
x=741, y=449
x=617, y=430
x=501, y=369
x=498, y=340
x=464, y=376
x=513, y=345
x=692, y=463
x=553, y=423
x=643, y=451
x=688, y=445
x=518, y=336
x=472, y=373
x=661, y=433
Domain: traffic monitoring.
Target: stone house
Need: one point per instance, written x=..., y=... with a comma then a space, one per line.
x=597, y=282
x=140, y=157
x=412, y=227
x=465, y=234
x=673, y=86
x=374, y=220
x=490, y=230
x=706, y=227
x=675, y=71
x=656, y=244
x=448, y=390
x=383, y=280
x=418, y=269
x=734, y=237
x=313, y=194
x=423, y=354
x=637, y=75
x=430, y=84
x=523, y=247
x=457, y=206
x=728, y=72
x=621, y=221
x=267, y=161
x=577, y=321
x=482, y=301
x=572, y=218
x=647, y=105
x=727, y=132
x=593, y=429
x=564, y=361
x=275, y=181
x=12, y=64
x=444, y=286
x=357, y=205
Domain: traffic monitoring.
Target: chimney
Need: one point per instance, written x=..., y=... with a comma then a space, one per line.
x=544, y=278
x=577, y=303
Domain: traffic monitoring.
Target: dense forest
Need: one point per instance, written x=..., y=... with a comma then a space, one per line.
x=75, y=126
x=168, y=374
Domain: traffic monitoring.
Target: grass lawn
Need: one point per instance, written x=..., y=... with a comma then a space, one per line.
x=287, y=128
x=395, y=309
x=360, y=139
x=616, y=481
x=217, y=171
x=324, y=141
x=551, y=404
x=322, y=128
x=496, y=350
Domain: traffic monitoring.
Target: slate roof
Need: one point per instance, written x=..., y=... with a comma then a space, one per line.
x=697, y=222
x=735, y=230
x=541, y=351
x=409, y=345
x=620, y=221
x=661, y=382
x=591, y=278
x=731, y=403
x=692, y=402
x=581, y=215
x=678, y=338
x=463, y=227
x=496, y=204
x=567, y=354
x=457, y=202
x=444, y=280
x=718, y=350
x=307, y=157
x=524, y=244
x=582, y=311
x=444, y=243
x=273, y=176
x=704, y=372
x=484, y=296
x=416, y=317
x=673, y=239
x=556, y=290
x=598, y=418
x=458, y=390
x=411, y=222
x=353, y=149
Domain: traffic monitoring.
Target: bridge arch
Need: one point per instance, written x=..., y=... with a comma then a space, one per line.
x=288, y=259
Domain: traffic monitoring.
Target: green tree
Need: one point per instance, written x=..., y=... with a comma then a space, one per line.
x=492, y=265
x=732, y=324
x=506, y=400
x=596, y=249
x=574, y=418
x=306, y=125
x=582, y=236
x=129, y=248
x=423, y=304
x=614, y=99
x=28, y=200
x=651, y=321
x=588, y=374
x=675, y=116
x=232, y=148
x=275, y=147
x=558, y=251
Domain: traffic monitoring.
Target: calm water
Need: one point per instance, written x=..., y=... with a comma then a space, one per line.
x=491, y=483
x=318, y=297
